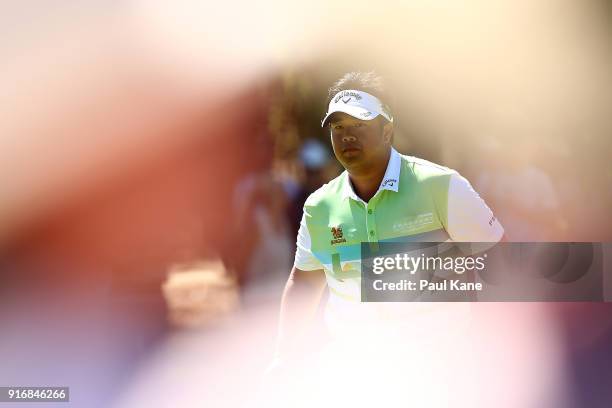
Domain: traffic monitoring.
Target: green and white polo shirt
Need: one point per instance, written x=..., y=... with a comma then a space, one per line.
x=417, y=201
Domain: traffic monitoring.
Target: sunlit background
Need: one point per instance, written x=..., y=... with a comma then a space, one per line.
x=155, y=157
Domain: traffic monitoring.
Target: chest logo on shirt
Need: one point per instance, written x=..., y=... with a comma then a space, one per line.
x=413, y=223
x=337, y=235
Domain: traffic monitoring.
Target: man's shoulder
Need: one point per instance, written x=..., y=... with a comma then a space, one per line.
x=331, y=190
x=424, y=170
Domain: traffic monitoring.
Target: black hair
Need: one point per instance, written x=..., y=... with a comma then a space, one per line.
x=370, y=82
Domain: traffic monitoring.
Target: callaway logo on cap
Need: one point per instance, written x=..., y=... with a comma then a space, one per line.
x=358, y=104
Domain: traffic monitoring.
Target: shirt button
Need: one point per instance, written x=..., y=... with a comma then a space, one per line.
x=370, y=211
x=371, y=232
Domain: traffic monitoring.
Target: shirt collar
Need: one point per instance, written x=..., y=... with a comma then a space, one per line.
x=390, y=180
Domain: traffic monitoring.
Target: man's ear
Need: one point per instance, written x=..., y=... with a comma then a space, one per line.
x=388, y=132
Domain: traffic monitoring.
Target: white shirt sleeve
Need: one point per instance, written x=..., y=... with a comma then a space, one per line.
x=469, y=219
x=304, y=259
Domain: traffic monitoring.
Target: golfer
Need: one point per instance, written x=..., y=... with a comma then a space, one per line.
x=383, y=196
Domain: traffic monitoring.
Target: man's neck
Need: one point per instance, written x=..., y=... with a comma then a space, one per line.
x=366, y=183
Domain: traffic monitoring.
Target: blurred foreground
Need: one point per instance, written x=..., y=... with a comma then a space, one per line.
x=155, y=159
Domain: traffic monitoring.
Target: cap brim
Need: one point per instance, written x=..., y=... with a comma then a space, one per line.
x=355, y=111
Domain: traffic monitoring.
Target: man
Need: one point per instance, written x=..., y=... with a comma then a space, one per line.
x=382, y=196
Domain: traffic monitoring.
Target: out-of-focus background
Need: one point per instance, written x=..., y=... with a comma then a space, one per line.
x=155, y=158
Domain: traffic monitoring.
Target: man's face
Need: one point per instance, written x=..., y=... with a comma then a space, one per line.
x=359, y=144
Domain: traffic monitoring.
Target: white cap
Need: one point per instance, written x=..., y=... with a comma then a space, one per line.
x=358, y=104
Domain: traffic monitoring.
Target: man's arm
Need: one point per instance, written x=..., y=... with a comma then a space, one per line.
x=469, y=219
x=299, y=304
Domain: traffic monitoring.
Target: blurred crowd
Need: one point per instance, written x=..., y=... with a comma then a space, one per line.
x=544, y=184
